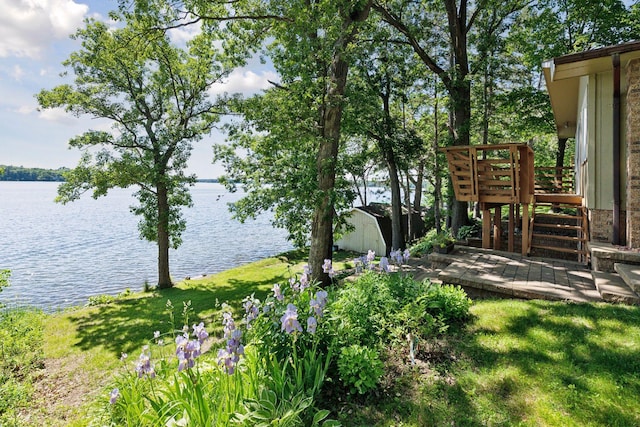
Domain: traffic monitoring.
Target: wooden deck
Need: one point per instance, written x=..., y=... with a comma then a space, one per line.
x=488, y=273
x=504, y=174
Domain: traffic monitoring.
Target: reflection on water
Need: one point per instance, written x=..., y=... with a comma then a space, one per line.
x=59, y=255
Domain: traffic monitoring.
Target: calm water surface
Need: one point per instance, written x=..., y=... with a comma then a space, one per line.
x=59, y=255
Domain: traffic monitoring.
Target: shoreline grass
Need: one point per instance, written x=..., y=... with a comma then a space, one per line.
x=518, y=363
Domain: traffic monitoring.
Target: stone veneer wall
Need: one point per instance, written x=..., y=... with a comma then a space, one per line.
x=601, y=225
x=633, y=153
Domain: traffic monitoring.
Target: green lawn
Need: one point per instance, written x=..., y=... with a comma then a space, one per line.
x=517, y=363
x=532, y=363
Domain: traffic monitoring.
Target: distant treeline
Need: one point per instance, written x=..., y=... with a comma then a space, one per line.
x=19, y=173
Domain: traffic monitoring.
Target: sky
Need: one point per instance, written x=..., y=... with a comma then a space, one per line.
x=34, y=41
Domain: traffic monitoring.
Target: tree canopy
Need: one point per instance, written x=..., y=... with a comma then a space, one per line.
x=155, y=95
x=363, y=86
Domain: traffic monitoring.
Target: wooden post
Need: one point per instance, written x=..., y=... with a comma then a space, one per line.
x=486, y=227
x=512, y=227
x=525, y=229
x=497, y=228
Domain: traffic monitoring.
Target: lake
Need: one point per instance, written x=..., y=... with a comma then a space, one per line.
x=60, y=255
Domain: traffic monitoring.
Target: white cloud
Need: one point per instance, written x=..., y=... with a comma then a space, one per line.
x=25, y=110
x=57, y=115
x=182, y=35
x=245, y=82
x=27, y=27
x=17, y=73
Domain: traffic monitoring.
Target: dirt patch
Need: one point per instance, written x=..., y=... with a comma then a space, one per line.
x=60, y=390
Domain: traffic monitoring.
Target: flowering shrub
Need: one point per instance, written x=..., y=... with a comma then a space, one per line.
x=276, y=353
x=277, y=376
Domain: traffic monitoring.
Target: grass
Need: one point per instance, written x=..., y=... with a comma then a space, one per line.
x=525, y=363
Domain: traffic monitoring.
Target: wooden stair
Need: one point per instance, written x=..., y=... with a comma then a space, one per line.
x=559, y=225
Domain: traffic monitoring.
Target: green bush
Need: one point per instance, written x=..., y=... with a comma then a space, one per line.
x=449, y=303
x=432, y=239
x=380, y=308
x=360, y=368
x=467, y=231
x=21, y=356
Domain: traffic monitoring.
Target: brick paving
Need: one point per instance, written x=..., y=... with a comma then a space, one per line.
x=513, y=275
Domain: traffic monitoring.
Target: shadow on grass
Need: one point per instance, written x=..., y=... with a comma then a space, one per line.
x=542, y=363
x=126, y=325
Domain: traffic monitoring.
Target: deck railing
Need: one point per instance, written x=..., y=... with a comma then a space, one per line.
x=556, y=180
x=496, y=174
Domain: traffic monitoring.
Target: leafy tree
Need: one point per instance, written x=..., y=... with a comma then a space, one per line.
x=19, y=173
x=419, y=25
x=386, y=74
x=309, y=44
x=155, y=95
x=559, y=27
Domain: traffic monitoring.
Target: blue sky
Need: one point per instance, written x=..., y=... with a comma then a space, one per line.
x=34, y=40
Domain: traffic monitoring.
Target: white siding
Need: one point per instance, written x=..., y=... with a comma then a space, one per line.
x=365, y=236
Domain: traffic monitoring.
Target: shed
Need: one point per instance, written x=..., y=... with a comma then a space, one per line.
x=372, y=229
x=366, y=234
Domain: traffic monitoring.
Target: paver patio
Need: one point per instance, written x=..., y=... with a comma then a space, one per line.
x=513, y=275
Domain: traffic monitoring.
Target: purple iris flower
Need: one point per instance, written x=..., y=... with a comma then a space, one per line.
x=312, y=324
x=144, y=366
x=199, y=332
x=113, y=396
x=277, y=292
x=289, y=320
x=384, y=264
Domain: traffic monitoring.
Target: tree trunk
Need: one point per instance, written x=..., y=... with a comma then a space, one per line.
x=164, y=278
x=322, y=224
x=461, y=99
x=562, y=146
x=397, y=235
x=437, y=185
x=417, y=197
x=406, y=189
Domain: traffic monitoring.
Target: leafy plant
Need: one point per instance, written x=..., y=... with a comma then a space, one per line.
x=467, y=231
x=431, y=240
x=449, y=302
x=360, y=368
x=21, y=357
x=4, y=278
x=273, y=381
x=100, y=300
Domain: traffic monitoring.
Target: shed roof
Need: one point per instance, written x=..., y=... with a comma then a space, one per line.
x=562, y=75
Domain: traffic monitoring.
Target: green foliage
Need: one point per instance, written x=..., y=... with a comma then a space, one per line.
x=360, y=368
x=389, y=312
x=448, y=303
x=19, y=173
x=21, y=357
x=274, y=378
x=380, y=308
x=156, y=97
x=4, y=278
x=100, y=300
x=467, y=231
x=107, y=299
x=429, y=241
